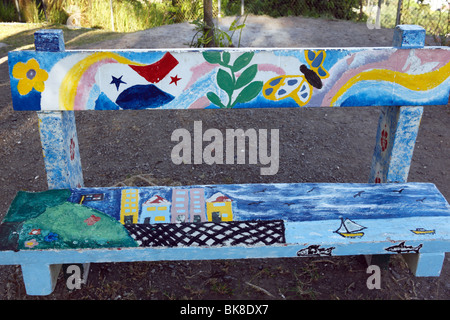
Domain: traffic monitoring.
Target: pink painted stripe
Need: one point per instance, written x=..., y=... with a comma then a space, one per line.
x=86, y=83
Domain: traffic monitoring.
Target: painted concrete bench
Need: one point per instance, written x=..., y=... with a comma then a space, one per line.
x=70, y=224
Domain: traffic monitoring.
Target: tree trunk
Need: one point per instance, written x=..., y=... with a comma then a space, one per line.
x=209, y=23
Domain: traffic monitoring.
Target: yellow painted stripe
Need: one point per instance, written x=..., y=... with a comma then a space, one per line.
x=416, y=82
x=68, y=89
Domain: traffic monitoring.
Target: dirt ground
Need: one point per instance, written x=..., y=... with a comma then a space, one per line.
x=316, y=145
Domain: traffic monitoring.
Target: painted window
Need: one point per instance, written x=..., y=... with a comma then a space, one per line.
x=151, y=208
x=160, y=218
x=162, y=208
x=219, y=204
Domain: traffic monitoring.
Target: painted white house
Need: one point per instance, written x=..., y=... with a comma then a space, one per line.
x=155, y=210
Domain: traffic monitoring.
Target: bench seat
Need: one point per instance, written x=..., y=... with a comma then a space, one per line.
x=84, y=225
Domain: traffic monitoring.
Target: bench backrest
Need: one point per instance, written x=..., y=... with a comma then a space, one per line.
x=53, y=79
x=407, y=74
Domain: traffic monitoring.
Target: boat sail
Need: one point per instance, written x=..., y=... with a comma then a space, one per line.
x=350, y=229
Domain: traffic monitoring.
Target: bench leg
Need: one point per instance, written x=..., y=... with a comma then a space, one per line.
x=381, y=260
x=40, y=279
x=425, y=264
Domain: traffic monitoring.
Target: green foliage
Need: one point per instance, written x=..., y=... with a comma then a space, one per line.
x=129, y=15
x=221, y=38
x=8, y=12
x=186, y=10
x=226, y=80
x=340, y=9
x=436, y=23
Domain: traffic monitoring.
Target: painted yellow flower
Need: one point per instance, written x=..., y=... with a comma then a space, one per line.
x=30, y=76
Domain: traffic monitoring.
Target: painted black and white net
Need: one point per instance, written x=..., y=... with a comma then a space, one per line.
x=208, y=234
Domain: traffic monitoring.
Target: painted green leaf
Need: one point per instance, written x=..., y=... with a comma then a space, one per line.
x=225, y=81
x=212, y=57
x=226, y=57
x=249, y=92
x=247, y=76
x=214, y=99
x=242, y=61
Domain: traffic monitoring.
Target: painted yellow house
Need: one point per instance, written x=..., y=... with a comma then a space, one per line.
x=129, y=206
x=218, y=208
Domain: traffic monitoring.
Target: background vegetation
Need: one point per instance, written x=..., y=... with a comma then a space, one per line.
x=134, y=15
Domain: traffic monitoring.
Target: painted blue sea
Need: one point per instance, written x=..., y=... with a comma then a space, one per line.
x=298, y=202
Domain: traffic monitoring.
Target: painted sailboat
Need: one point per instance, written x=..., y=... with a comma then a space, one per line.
x=423, y=231
x=350, y=229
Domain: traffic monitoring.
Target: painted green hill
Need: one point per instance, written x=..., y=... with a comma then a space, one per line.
x=71, y=225
x=27, y=205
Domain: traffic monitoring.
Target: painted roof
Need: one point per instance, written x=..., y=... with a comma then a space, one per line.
x=219, y=197
x=156, y=200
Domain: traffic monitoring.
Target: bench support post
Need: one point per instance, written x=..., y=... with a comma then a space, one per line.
x=398, y=126
x=425, y=264
x=60, y=149
x=397, y=130
x=40, y=279
x=396, y=136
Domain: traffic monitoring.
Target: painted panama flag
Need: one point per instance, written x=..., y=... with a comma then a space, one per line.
x=233, y=78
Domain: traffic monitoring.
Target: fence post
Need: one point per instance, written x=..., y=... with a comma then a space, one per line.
x=112, y=15
x=377, y=20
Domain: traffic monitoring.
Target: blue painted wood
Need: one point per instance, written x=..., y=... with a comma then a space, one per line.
x=409, y=37
x=60, y=149
x=49, y=40
x=392, y=217
x=425, y=264
x=40, y=278
x=396, y=136
x=398, y=126
x=308, y=219
x=58, y=130
x=311, y=215
x=197, y=79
